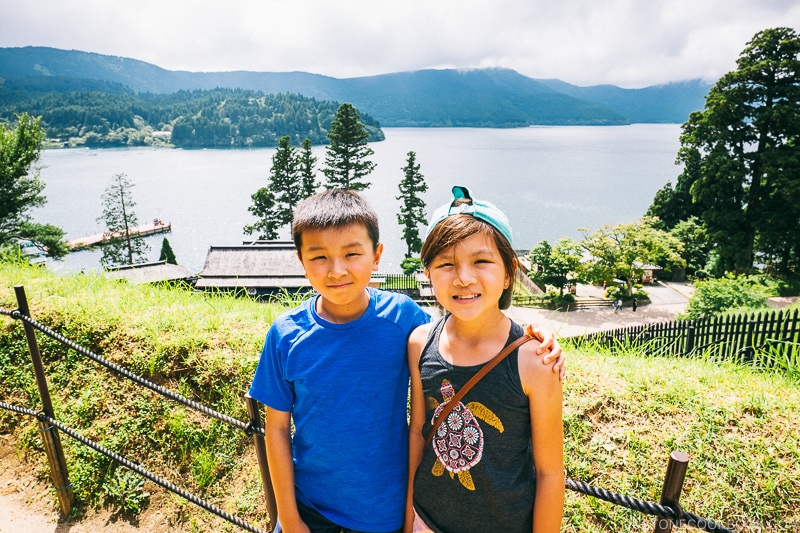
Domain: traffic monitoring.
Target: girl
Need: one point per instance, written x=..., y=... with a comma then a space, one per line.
x=496, y=462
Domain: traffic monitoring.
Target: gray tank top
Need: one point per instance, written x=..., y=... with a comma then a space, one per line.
x=477, y=475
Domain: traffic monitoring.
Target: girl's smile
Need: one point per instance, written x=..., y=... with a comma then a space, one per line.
x=469, y=278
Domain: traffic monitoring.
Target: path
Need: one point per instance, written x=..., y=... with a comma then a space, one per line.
x=667, y=301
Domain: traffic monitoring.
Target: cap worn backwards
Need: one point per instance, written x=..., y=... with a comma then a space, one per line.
x=484, y=211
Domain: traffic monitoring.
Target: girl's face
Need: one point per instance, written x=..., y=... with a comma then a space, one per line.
x=469, y=277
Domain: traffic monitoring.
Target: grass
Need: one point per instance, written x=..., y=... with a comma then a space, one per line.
x=624, y=412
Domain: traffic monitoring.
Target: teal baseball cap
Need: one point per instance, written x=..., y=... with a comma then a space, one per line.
x=481, y=210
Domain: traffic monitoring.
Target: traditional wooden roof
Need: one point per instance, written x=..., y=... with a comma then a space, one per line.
x=261, y=265
x=149, y=272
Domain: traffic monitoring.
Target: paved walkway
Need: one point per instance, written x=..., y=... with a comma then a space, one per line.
x=667, y=301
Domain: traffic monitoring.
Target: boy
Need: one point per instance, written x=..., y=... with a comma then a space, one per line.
x=336, y=366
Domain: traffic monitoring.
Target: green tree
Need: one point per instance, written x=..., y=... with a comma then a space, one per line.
x=308, y=177
x=741, y=154
x=692, y=234
x=623, y=250
x=412, y=210
x=166, y=253
x=346, y=162
x=269, y=219
x=557, y=265
x=21, y=189
x=671, y=206
x=124, y=246
x=284, y=180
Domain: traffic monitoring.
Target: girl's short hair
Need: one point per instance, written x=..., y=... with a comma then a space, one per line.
x=334, y=208
x=456, y=228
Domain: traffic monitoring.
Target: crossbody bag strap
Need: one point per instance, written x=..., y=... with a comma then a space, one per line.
x=493, y=362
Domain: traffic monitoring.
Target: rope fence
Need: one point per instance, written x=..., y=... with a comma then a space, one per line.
x=669, y=510
x=42, y=417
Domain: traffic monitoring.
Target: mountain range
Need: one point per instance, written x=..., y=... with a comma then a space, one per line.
x=424, y=98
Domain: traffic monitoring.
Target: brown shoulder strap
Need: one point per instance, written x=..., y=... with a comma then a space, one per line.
x=493, y=362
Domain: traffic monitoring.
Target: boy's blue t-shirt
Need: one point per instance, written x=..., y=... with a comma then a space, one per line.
x=346, y=386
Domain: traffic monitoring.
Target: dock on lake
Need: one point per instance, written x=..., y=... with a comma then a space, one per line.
x=104, y=238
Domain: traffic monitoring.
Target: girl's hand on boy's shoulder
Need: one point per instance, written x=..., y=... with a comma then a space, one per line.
x=548, y=346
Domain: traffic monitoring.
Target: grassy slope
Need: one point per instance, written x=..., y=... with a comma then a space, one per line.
x=623, y=414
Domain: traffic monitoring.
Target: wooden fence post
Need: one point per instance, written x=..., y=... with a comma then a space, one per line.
x=750, y=348
x=671, y=492
x=689, y=340
x=261, y=453
x=50, y=436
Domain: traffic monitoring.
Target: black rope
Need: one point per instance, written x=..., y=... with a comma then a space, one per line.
x=679, y=516
x=41, y=416
x=133, y=377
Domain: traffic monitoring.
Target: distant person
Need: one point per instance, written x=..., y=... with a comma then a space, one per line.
x=335, y=368
x=618, y=305
x=634, y=305
x=496, y=462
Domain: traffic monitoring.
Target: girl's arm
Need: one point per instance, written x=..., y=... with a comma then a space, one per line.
x=543, y=388
x=416, y=440
x=281, y=466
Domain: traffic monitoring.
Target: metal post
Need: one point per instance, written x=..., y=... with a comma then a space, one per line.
x=671, y=492
x=50, y=436
x=261, y=453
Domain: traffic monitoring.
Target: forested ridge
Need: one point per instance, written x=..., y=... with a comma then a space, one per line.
x=486, y=98
x=81, y=112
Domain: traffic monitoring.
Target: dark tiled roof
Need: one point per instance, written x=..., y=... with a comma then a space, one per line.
x=150, y=272
x=263, y=264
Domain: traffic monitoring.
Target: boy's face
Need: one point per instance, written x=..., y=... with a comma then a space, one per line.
x=339, y=263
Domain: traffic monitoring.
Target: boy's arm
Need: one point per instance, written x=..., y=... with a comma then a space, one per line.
x=281, y=466
x=547, y=437
x=548, y=342
x=416, y=440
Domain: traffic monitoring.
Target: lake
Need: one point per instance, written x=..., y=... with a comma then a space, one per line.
x=550, y=181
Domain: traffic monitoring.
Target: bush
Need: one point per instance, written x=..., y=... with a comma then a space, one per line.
x=714, y=296
x=789, y=286
x=615, y=292
x=410, y=265
x=566, y=298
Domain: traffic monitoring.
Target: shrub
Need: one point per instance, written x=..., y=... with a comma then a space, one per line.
x=410, y=265
x=714, y=296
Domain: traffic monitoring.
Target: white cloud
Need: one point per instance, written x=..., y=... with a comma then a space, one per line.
x=631, y=43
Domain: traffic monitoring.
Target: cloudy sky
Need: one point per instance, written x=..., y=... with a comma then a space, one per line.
x=630, y=43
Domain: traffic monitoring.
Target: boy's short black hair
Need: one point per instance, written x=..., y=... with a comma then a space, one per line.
x=334, y=208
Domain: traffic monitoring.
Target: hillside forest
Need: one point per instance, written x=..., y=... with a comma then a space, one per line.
x=86, y=113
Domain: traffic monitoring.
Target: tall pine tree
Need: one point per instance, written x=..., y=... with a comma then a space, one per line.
x=269, y=219
x=742, y=156
x=346, y=162
x=412, y=210
x=124, y=246
x=308, y=177
x=285, y=179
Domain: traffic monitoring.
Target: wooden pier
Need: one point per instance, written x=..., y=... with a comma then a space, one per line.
x=100, y=239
